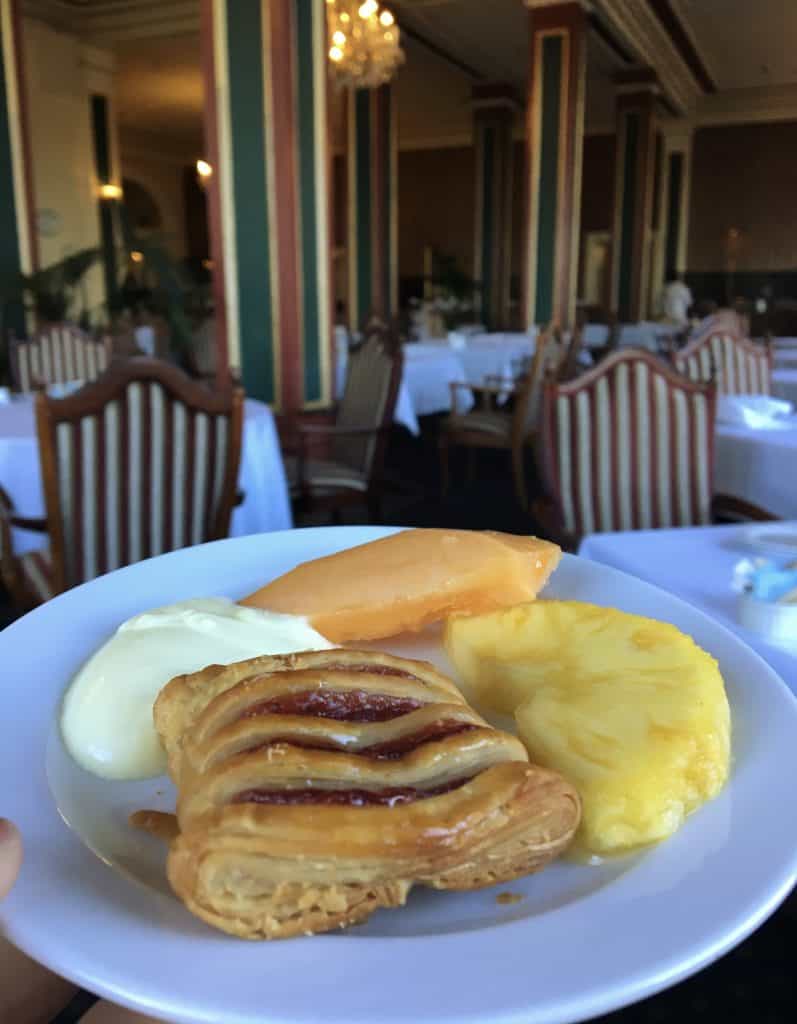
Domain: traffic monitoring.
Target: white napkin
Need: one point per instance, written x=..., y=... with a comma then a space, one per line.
x=457, y=340
x=755, y=411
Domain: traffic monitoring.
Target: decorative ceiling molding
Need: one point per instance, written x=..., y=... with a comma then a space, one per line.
x=107, y=21
x=682, y=13
x=647, y=37
x=747, y=106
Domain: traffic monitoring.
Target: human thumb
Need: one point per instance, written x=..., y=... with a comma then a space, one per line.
x=10, y=855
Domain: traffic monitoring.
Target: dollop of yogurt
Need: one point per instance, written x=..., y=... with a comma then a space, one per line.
x=106, y=720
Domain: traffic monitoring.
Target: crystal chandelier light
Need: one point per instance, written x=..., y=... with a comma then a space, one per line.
x=363, y=43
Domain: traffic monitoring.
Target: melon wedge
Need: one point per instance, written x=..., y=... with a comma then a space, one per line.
x=406, y=581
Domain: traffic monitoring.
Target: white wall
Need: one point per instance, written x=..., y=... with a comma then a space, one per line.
x=61, y=74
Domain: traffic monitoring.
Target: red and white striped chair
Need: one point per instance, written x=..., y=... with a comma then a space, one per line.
x=141, y=462
x=629, y=446
x=739, y=366
x=57, y=354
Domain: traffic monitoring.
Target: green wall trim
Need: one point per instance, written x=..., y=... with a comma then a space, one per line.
x=386, y=99
x=674, y=192
x=312, y=318
x=13, y=314
x=548, y=196
x=363, y=185
x=251, y=213
x=102, y=166
x=628, y=214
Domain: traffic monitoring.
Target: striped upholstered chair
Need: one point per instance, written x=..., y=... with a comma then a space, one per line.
x=142, y=461
x=57, y=354
x=739, y=366
x=341, y=463
x=629, y=446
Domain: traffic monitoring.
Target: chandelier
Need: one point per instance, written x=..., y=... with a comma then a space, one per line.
x=363, y=43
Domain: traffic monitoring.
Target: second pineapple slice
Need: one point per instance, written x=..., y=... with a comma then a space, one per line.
x=629, y=709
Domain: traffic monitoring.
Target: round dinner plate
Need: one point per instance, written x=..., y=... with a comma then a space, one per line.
x=574, y=941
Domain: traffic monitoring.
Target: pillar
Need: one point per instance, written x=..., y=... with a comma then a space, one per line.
x=372, y=197
x=17, y=224
x=554, y=138
x=635, y=174
x=98, y=67
x=265, y=68
x=676, y=179
x=494, y=112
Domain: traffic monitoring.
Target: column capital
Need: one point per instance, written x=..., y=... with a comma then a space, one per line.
x=587, y=5
x=488, y=96
x=637, y=80
x=678, y=132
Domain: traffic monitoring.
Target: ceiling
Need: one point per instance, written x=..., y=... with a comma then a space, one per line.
x=745, y=43
x=160, y=87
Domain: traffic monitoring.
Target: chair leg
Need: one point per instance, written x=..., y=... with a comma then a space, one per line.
x=445, y=453
x=471, y=467
x=519, y=473
x=374, y=509
x=336, y=517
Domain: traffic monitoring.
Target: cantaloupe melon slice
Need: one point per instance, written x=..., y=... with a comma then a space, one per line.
x=406, y=581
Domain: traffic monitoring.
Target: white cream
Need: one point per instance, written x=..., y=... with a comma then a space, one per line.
x=106, y=720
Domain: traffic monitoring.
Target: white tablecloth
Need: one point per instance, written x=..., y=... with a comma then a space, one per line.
x=697, y=565
x=785, y=359
x=504, y=354
x=429, y=369
x=784, y=385
x=759, y=466
x=266, y=504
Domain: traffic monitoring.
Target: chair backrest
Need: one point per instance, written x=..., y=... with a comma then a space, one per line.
x=628, y=445
x=58, y=354
x=740, y=366
x=142, y=461
x=528, y=402
x=373, y=376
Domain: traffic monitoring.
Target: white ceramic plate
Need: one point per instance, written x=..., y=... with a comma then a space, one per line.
x=92, y=903
x=777, y=539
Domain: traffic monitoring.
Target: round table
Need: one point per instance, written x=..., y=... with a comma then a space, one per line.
x=784, y=385
x=266, y=505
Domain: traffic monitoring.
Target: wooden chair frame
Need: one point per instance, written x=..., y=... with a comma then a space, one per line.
x=91, y=400
x=15, y=344
x=308, y=434
x=548, y=511
x=680, y=357
x=519, y=438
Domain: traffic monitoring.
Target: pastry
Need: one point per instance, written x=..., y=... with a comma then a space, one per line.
x=315, y=788
x=410, y=579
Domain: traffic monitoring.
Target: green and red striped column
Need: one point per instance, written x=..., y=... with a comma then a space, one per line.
x=18, y=251
x=635, y=175
x=554, y=140
x=266, y=137
x=495, y=110
x=372, y=191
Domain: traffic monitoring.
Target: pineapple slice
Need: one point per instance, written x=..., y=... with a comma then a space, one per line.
x=630, y=710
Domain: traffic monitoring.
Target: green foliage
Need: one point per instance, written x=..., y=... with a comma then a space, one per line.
x=50, y=292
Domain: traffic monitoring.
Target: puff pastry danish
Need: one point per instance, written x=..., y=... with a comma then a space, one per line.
x=314, y=788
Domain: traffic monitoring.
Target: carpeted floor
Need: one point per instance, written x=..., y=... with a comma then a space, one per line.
x=753, y=983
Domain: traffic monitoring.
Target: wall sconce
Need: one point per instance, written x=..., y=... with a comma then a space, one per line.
x=109, y=191
x=203, y=169
x=136, y=256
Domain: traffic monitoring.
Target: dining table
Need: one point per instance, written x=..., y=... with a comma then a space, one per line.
x=696, y=564
x=784, y=384
x=266, y=503
x=758, y=464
